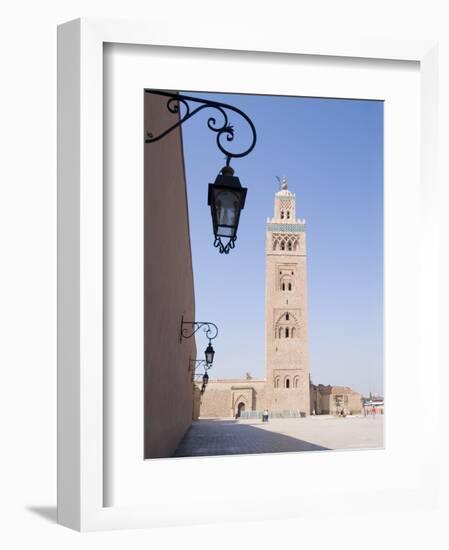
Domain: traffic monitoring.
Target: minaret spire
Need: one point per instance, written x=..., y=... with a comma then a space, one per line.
x=284, y=182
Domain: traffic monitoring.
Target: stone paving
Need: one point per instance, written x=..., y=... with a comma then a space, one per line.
x=209, y=437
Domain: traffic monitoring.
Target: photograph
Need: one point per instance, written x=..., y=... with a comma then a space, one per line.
x=263, y=274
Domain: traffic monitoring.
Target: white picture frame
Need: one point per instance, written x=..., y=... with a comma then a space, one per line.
x=80, y=270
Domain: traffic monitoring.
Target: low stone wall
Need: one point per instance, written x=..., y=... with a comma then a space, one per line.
x=247, y=415
x=247, y=398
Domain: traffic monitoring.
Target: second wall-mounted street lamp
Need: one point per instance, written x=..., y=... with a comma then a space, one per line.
x=226, y=196
x=189, y=328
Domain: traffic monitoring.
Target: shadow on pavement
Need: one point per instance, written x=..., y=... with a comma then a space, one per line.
x=47, y=512
x=228, y=437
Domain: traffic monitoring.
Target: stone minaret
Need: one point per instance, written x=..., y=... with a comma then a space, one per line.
x=287, y=366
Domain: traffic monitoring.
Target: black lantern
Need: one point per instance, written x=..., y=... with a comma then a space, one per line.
x=226, y=199
x=209, y=353
x=226, y=196
x=205, y=379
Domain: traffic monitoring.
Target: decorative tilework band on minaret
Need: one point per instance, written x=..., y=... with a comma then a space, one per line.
x=287, y=367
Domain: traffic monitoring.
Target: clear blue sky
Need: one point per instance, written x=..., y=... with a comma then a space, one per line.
x=331, y=152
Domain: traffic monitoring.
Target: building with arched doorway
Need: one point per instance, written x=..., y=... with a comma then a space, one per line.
x=286, y=390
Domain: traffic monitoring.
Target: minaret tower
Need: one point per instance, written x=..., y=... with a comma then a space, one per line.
x=287, y=366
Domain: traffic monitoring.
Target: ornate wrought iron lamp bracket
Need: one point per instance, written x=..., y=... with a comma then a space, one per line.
x=189, y=328
x=196, y=364
x=223, y=131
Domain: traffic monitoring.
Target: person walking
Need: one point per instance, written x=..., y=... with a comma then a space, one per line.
x=265, y=416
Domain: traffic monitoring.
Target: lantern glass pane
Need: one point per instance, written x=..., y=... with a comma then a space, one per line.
x=209, y=353
x=227, y=204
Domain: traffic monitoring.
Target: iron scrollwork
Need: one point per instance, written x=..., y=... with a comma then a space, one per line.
x=223, y=131
x=196, y=364
x=224, y=249
x=189, y=328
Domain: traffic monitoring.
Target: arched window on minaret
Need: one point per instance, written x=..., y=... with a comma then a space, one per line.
x=288, y=214
x=285, y=283
x=287, y=316
x=276, y=382
x=282, y=245
x=289, y=246
x=296, y=382
x=282, y=214
x=287, y=332
x=287, y=382
x=281, y=332
x=293, y=332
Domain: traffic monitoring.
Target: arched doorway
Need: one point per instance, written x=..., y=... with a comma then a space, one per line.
x=240, y=409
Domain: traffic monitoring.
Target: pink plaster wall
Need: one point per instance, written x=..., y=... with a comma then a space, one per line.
x=169, y=291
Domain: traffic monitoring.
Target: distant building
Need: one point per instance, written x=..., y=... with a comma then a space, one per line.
x=334, y=400
x=286, y=390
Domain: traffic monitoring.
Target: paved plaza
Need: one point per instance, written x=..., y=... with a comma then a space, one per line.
x=216, y=436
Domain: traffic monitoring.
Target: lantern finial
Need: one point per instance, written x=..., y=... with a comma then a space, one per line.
x=227, y=170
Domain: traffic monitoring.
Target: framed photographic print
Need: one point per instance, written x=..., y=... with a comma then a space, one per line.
x=245, y=275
